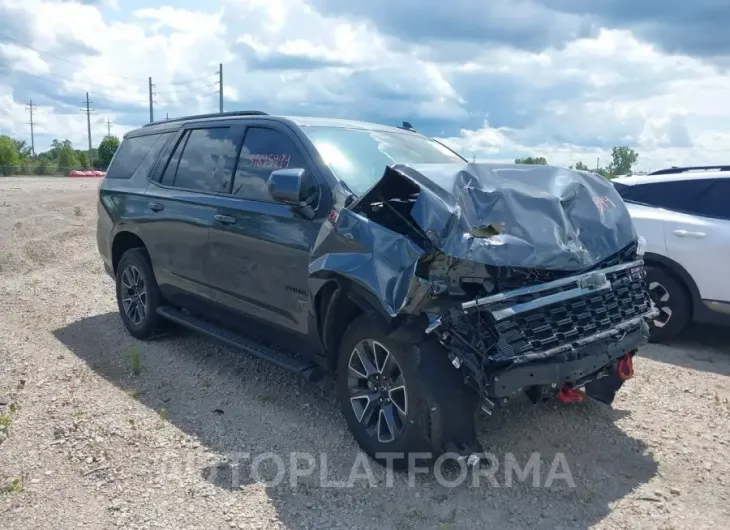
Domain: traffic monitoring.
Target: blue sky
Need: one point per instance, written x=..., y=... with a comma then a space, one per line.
x=564, y=79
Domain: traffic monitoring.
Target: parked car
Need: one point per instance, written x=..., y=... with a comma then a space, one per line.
x=429, y=286
x=683, y=213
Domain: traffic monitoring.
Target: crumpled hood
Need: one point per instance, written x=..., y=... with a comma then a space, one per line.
x=549, y=217
x=536, y=217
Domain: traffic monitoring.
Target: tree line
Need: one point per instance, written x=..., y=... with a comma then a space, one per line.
x=623, y=160
x=16, y=157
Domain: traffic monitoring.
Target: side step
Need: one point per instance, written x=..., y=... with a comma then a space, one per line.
x=306, y=369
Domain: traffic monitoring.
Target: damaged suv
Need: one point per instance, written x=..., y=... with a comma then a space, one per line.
x=430, y=286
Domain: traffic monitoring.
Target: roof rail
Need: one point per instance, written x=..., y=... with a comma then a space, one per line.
x=213, y=115
x=675, y=169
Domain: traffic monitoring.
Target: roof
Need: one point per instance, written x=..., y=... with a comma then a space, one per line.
x=304, y=121
x=671, y=177
x=301, y=121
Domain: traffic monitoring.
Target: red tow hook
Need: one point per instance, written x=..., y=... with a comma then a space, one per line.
x=569, y=396
x=625, y=367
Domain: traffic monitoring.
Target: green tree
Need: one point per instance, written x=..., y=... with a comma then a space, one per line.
x=83, y=159
x=623, y=160
x=107, y=148
x=24, y=150
x=67, y=157
x=540, y=161
x=580, y=166
x=9, y=157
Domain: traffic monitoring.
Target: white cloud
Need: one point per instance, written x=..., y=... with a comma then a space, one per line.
x=567, y=103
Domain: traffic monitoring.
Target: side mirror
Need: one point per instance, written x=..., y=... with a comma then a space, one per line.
x=291, y=186
x=286, y=185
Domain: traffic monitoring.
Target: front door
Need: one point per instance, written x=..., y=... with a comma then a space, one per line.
x=259, y=249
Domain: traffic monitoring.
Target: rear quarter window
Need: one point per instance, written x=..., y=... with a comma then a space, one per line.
x=136, y=156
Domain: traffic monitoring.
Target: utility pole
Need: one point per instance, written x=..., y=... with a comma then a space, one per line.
x=598, y=165
x=31, y=108
x=152, y=112
x=108, y=127
x=220, y=89
x=88, y=110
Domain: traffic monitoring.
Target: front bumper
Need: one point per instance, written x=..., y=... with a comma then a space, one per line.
x=549, y=333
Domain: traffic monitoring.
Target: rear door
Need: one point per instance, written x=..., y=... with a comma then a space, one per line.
x=259, y=248
x=700, y=241
x=182, y=203
x=696, y=235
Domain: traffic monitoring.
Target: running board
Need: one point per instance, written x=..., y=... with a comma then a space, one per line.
x=308, y=370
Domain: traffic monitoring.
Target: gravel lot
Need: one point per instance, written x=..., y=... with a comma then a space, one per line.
x=87, y=442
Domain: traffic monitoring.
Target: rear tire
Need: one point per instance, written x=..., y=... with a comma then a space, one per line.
x=429, y=404
x=673, y=302
x=138, y=295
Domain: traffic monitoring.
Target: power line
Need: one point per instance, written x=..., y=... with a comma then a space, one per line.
x=200, y=97
x=31, y=108
x=75, y=63
x=191, y=89
x=58, y=57
x=67, y=80
x=189, y=81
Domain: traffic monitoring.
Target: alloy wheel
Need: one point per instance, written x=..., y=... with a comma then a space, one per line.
x=660, y=296
x=134, y=295
x=377, y=390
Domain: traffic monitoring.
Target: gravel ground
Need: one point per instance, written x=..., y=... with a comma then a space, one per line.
x=91, y=438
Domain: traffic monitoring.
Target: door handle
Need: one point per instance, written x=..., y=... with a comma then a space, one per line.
x=688, y=233
x=156, y=206
x=225, y=219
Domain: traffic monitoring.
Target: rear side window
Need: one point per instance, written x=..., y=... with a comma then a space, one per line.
x=680, y=195
x=203, y=160
x=264, y=150
x=168, y=177
x=714, y=202
x=136, y=155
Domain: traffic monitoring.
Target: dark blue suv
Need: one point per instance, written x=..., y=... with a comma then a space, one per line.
x=431, y=287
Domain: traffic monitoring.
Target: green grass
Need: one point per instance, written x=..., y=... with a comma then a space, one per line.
x=15, y=486
x=135, y=359
x=163, y=416
x=5, y=421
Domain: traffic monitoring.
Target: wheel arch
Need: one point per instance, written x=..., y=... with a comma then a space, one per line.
x=680, y=274
x=122, y=242
x=338, y=302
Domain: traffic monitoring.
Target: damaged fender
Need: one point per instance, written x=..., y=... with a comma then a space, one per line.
x=506, y=217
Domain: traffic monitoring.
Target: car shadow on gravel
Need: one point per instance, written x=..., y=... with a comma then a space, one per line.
x=700, y=347
x=254, y=416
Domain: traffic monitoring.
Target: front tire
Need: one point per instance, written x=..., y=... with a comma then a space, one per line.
x=673, y=302
x=138, y=295
x=399, y=399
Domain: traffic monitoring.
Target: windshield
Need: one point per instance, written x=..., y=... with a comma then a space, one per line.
x=358, y=156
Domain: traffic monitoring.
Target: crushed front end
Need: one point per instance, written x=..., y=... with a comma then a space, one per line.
x=529, y=277
x=539, y=338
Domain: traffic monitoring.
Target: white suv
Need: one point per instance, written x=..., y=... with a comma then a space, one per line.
x=684, y=216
